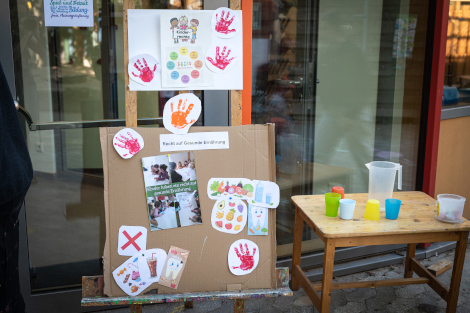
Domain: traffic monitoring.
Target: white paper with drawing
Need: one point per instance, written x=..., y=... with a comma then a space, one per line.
x=229, y=215
x=180, y=40
x=127, y=277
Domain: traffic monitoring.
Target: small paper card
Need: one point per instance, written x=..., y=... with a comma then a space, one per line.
x=257, y=192
x=222, y=58
x=229, y=215
x=258, y=220
x=225, y=23
x=173, y=267
x=181, y=112
x=144, y=69
x=243, y=257
x=222, y=188
x=132, y=239
x=266, y=194
x=151, y=264
x=127, y=276
x=128, y=142
x=194, y=141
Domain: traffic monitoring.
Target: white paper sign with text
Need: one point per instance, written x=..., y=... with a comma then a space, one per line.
x=68, y=13
x=194, y=141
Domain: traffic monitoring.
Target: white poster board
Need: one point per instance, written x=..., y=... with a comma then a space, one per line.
x=68, y=13
x=151, y=32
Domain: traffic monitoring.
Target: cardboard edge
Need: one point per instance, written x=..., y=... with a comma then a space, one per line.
x=106, y=253
x=272, y=159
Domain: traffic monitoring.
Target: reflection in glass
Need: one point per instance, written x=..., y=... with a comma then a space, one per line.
x=342, y=81
x=456, y=91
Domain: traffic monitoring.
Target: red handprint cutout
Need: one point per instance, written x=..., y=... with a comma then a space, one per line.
x=222, y=25
x=145, y=73
x=247, y=260
x=178, y=117
x=221, y=60
x=131, y=144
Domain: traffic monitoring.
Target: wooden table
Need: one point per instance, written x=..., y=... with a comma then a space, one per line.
x=415, y=224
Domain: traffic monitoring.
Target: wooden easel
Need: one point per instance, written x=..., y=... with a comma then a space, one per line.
x=92, y=294
x=92, y=286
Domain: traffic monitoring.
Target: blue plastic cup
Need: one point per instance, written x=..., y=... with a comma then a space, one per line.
x=392, y=208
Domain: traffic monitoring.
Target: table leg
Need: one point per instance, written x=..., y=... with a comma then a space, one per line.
x=136, y=308
x=239, y=306
x=410, y=253
x=327, y=280
x=297, y=249
x=459, y=259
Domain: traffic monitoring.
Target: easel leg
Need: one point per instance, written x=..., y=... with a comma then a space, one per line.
x=239, y=306
x=459, y=259
x=189, y=305
x=410, y=253
x=297, y=249
x=327, y=280
x=136, y=308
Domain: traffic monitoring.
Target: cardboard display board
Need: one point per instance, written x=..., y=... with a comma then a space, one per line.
x=250, y=155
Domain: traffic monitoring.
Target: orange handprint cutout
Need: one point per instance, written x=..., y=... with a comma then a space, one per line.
x=178, y=117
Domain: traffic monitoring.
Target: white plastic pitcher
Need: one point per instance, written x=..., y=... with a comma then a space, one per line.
x=382, y=179
x=450, y=207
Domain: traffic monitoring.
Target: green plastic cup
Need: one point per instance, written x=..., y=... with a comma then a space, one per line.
x=332, y=203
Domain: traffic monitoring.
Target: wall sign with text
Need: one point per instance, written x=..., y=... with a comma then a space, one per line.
x=66, y=13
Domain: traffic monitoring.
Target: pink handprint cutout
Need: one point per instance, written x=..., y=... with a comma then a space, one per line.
x=221, y=61
x=247, y=260
x=130, y=144
x=145, y=73
x=222, y=25
x=178, y=117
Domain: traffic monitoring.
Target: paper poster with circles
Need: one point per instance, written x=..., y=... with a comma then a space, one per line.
x=184, y=66
x=193, y=53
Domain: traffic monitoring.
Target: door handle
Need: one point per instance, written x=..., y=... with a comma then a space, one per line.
x=296, y=83
x=21, y=110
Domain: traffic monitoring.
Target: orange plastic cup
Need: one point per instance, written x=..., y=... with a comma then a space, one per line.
x=372, y=210
x=338, y=189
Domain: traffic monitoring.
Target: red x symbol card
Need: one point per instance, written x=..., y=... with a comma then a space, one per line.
x=132, y=239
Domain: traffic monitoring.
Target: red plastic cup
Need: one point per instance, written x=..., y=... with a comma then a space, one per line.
x=338, y=189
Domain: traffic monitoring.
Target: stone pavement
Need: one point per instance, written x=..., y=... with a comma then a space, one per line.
x=396, y=299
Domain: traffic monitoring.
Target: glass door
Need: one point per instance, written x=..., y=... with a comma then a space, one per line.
x=69, y=82
x=343, y=81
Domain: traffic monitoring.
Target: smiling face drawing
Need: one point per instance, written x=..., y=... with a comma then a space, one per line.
x=173, y=266
x=258, y=216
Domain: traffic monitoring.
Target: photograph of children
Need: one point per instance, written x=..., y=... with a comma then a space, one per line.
x=182, y=167
x=171, y=190
x=189, y=212
x=156, y=170
x=162, y=212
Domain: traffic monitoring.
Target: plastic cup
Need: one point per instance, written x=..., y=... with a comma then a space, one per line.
x=450, y=207
x=332, y=203
x=346, y=208
x=392, y=208
x=372, y=210
x=338, y=189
